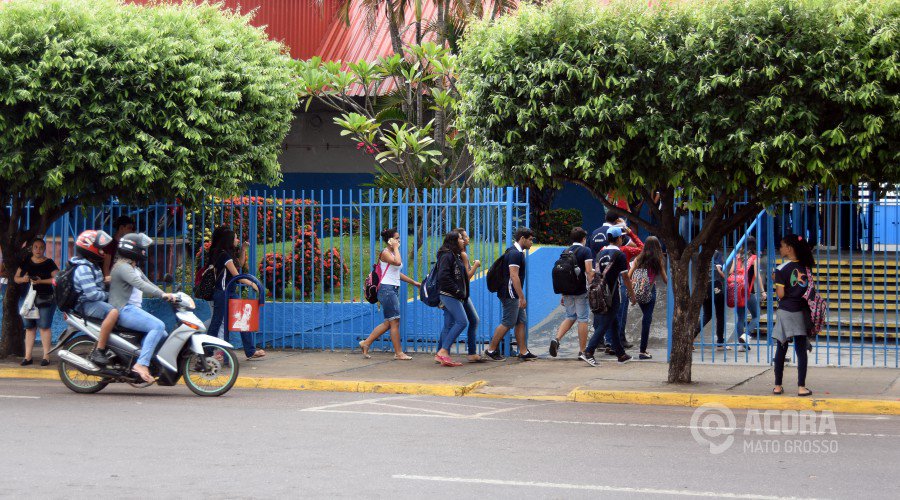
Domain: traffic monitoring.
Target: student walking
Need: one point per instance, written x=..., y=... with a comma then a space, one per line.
x=792, y=318
x=453, y=287
x=612, y=261
x=512, y=298
x=576, y=303
x=715, y=300
x=225, y=257
x=389, y=262
x=471, y=313
x=749, y=273
x=649, y=264
x=37, y=271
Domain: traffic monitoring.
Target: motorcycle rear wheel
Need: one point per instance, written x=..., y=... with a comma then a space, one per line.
x=219, y=375
x=72, y=377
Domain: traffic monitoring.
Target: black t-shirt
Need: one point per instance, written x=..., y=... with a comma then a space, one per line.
x=582, y=255
x=43, y=271
x=598, y=238
x=514, y=257
x=792, y=276
x=222, y=274
x=617, y=260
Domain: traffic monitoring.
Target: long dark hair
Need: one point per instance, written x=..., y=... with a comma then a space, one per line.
x=451, y=243
x=224, y=244
x=801, y=249
x=651, y=257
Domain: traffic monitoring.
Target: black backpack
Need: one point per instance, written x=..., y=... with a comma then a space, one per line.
x=600, y=295
x=428, y=291
x=64, y=292
x=567, y=273
x=496, y=273
x=206, y=286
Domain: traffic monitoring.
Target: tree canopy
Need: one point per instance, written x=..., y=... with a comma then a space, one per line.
x=707, y=103
x=100, y=99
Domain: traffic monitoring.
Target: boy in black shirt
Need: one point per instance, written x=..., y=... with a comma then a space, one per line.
x=577, y=308
x=512, y=298
x=609, y=322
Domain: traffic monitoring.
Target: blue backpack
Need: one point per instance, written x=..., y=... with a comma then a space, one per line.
x=428, y=291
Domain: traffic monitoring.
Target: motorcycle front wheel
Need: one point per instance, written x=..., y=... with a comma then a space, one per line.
x=72, y=377
x=215, y=378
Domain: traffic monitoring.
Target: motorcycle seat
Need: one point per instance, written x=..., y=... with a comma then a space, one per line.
x=117, y=329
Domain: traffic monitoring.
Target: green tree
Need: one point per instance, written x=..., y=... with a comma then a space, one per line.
x=103, y=99
x=708, y=104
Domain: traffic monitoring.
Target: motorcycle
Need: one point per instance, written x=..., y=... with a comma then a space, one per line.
x=207, y=363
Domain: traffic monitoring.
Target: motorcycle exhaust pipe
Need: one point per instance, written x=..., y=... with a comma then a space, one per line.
x=79, y=362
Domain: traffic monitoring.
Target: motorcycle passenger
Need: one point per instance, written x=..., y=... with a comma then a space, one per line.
x=89, y=284
x=127, y=288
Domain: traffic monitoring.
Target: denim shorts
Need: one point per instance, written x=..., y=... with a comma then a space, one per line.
x=44, y=321
x=577, y=307
x=512, y=315
x=389, y=298
x=96, y=309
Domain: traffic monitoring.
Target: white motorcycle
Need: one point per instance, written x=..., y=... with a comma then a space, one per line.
x=207, y=363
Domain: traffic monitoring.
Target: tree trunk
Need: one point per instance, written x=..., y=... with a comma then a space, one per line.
x=12, y=338
x=684, y=321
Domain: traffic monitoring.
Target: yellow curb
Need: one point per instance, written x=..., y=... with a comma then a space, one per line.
x=840, y=405
x=30, y=373
x=300, y=384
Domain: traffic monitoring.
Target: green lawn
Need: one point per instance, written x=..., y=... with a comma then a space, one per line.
x=357, y=257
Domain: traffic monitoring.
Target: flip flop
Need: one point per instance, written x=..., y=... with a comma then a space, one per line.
x=777, y=392
x=365, y=350
x=805, y=394
x=402, y=358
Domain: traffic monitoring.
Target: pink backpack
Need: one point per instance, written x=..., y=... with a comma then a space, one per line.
x=818, y=308
x=373, y=282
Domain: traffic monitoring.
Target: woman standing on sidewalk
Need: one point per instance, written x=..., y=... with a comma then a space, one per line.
x=38, y=270
x=471, y=314
x=791, y=279
x=649, y=264
x=453, y=284
x=389, y=263
x=752, y=284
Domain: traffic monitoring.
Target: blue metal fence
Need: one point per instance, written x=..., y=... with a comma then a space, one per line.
x=313, y=250
x=855, y=233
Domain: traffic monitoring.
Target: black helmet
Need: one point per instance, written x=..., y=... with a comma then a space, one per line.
x=134, y=246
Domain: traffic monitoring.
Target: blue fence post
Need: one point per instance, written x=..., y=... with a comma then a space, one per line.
x=403, y=229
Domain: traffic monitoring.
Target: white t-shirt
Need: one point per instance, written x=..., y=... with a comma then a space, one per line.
x=390, y=274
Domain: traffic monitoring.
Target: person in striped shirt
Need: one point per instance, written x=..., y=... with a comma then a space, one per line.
x=89, y=284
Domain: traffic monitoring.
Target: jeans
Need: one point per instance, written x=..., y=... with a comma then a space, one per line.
x=45, y=316
x=607, y=325
x=135, y=318
x=647, y=320
x=217, y=323
x=472, y=316
x=800, y=351
x=455, y=321
x=623, y=312
x=753, y=308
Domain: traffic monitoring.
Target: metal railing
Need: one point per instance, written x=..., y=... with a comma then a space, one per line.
x=855, y=234
x=313, y=249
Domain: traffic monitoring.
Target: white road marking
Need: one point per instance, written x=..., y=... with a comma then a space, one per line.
x=453, y=404
x=437, y=412
x=351, y=403
x=20, y=397
x=575, y=422
x=591, y=487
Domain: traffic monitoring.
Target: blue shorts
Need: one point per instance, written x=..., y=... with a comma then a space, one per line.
x=577, y=307
x=511, y=314
x=44, y=321
x=389, y=298
x=96, y=309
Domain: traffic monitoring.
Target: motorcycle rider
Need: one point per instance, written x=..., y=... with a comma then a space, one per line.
x=128, y=285
x=89, y=283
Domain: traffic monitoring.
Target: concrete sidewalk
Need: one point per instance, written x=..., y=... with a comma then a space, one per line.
x=855, y=390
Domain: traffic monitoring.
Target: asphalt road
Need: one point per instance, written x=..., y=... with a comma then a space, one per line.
x=168, y=443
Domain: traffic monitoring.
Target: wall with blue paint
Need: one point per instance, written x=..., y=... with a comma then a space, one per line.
x=574, y=196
